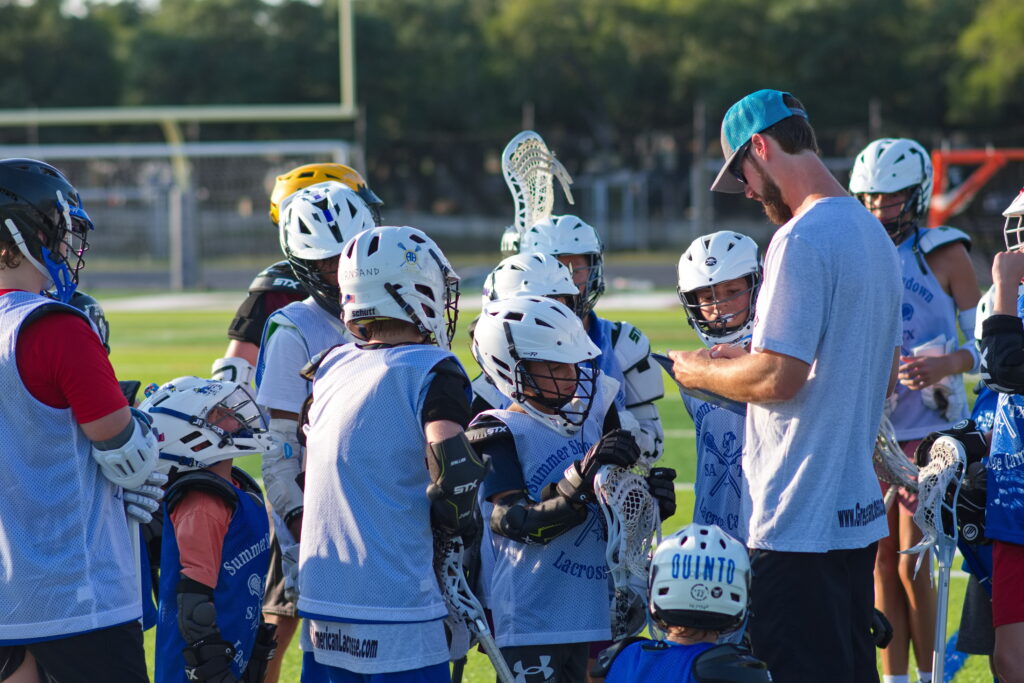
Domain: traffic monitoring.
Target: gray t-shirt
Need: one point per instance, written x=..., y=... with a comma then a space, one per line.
x=831, y=298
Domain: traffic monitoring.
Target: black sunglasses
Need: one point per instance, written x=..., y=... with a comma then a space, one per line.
x=736, y=168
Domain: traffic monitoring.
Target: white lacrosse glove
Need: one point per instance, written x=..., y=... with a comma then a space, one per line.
x=232, y=369
x=140, y=503
x=130, y=464
x=282, y=469
x=289, y=557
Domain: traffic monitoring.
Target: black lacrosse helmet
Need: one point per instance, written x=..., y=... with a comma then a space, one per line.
x=41, y=211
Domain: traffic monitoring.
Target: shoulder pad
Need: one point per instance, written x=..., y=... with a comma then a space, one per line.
x=730, y=663
x=276, y=278
x=933, y=238
x=308, y=371
x=630, y=345
x=248, y=485
x=607, y=656
x=201, y=481
x=55, y=307
x=450, y=366
x=487, y=428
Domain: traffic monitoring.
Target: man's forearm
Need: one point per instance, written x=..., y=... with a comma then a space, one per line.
x=750, y=378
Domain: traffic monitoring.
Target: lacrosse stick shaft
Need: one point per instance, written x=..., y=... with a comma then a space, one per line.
x=133, y=532
x=945, y=559
x=483, y=634
x=458, y=667
x=890, y=496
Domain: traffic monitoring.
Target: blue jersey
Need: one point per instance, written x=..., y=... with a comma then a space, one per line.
x=600, y=332
x=645, y=661
x=238, y=595
x=1004, y=509
x=719, y=479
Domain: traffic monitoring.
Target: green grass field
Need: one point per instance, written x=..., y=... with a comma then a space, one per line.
x=159, y=346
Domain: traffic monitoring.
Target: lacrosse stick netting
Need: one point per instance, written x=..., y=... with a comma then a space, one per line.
x=891, y=465
x=631, y=515
x=528, y=166
x=464, y=609
x=938, y=488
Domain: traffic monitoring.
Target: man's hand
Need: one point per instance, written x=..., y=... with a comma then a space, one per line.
x=1007, y=272
x=687, y=366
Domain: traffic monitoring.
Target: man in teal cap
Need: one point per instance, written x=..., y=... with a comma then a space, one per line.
x=823, y=358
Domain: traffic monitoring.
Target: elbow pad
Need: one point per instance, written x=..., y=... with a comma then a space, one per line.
x=968, y=321
x=520, y=519
x=282, y=469
x=232, y=370
x=1002, y=354
x=129, y=464
x=455, y=475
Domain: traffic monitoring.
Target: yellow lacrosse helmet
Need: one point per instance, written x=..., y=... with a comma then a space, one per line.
x=310, y=174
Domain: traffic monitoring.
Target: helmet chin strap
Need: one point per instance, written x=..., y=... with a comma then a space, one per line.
x=23, y=248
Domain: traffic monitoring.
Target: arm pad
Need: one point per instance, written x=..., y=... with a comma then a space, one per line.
x=233, y=370
x=966, y=320
x=456, y=471
x=282, y=469
x=129, y=464
x=1002, y=354
x=517, y=517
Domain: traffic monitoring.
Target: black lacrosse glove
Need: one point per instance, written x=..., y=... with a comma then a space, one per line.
x=456, y=471
x=263, y=651
x=209, y=660
x=970, y=503
x=660, y=484
x=881, y=630
x=617, y=447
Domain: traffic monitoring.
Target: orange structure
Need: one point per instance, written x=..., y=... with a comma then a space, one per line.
x=946, y=203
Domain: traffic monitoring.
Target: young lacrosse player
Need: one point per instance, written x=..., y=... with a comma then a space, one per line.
x=215, y=551
x=719, y=275
x=72, y=449
x=699, y=582
x=549, y=592
x=274, y=288
x=1002, y=341
x=892, y=178
x=625, y=350
x=379, y=407
x=315, y=223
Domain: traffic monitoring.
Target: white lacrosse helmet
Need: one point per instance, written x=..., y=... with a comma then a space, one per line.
x=400, y=273
x=711, y=260
x=512, y=331
x=204, y=421
x=1013, y=229
x=316, y=222
x=890, y=165
x=570, y=235
x=700, y=578
x=531, y=275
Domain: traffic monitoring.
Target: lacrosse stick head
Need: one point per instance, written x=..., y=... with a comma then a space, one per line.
x=529, y=168
x=631, y=516
x=938, y=487
x=891, y=464
x=700, y=578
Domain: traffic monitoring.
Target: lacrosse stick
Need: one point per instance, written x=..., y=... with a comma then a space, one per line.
x=891, y=465
x=938, y=488
x=463, y=606
x=528, y=166
x=631, y=516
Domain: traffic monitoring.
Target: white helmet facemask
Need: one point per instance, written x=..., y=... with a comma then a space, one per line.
x=707, y=263
x=1013, y=228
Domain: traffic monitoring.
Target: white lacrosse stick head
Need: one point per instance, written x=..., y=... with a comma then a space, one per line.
x=936, y=508
x=891, y=464
x=631, y=515
x=529, y=168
